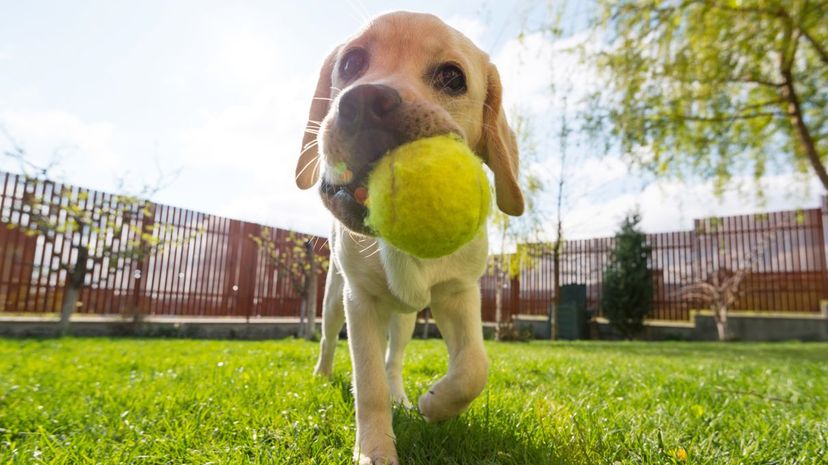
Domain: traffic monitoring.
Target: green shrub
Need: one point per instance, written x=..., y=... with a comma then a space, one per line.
x=627, y=293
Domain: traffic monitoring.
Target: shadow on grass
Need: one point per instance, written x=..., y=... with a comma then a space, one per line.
x=474, y=438
x=479, y=437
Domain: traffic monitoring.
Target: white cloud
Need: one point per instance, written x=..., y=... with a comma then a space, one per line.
x=244, y=58
x=525, y=72
x=238, y=163
x=472, y=28
x=672, y=205
x=243, y=159
x=537, y=73
x=236, y=160
x=85, y=149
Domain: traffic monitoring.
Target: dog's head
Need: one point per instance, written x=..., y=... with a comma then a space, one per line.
x=404, y=77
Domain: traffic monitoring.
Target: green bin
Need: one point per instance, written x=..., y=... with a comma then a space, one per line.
x=572, y=321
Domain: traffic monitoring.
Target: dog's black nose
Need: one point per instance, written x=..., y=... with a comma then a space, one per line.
x=367, y=106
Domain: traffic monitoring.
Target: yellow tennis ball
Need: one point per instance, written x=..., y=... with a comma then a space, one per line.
x=428, y=197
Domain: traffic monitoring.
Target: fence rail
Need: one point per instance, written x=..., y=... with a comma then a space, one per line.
x=215, y=268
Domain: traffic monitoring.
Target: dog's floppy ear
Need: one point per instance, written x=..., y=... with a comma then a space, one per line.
x=499, y=148
x=307, y=168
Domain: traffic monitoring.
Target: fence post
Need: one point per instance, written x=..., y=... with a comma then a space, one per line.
x=248, y=264
x=514, y=298
x=140, y=270
x=825, y=228
x=230, y=291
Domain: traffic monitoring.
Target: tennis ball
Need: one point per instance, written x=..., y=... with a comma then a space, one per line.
x=428, y=197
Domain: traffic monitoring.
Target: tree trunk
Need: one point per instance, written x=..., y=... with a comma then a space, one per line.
x=556, y=300
x=425, y=323
x=720, y=315
x=73, y=287
x=802, y=132
x=307, y=318
x=70, y=300
x=310, y=306
x=303, y=308
x=498, y=303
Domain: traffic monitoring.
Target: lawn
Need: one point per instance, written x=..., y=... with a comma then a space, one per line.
x=196, y=402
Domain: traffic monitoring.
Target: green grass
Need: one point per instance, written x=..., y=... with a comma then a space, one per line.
x=196, y=402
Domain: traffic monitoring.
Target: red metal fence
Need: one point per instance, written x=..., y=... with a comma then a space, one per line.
x=788, y=272
x=217, y=269
x=214, y=268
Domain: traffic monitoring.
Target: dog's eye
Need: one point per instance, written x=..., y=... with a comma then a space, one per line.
x=352, y=63
x=449, y=78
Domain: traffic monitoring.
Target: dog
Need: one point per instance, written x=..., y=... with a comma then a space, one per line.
x=405, y=76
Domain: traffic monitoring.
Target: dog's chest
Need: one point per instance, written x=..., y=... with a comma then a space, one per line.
x=388, y=273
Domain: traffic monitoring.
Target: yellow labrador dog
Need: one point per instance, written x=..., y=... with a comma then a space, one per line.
x=404, y=77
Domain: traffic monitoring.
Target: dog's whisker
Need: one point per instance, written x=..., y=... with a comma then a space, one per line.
x=373, y=253
x=370, y=246
x=309, y=146
x=310, y=162
x=315, y=172
x=316, y=242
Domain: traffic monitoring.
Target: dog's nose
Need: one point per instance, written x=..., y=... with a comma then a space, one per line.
x=367, y=106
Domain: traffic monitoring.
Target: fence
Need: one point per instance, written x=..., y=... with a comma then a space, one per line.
x=215, y=268
x=212, y=267
x=788, y=272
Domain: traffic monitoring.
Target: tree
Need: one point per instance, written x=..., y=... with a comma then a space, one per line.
x=720, y=288
x=116, y=232
x=516, y=232
x=626, y=297
x=558, y=242
x=714, y=87
x=295, y=256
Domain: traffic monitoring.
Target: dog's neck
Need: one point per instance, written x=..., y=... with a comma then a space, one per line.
x=410, y=280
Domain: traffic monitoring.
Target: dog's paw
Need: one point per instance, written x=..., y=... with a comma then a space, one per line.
x=322, y=371
x=379, y=456
x=376, y=460
x=398, y=396
x=380, y=451
x=435, y=407
x=401, y=400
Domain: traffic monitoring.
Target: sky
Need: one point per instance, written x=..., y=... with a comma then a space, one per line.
x=214, y=96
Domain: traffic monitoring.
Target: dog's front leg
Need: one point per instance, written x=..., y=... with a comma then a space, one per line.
x=400, y=330
x=367, y=329
x=458, y=317
x=333, y=317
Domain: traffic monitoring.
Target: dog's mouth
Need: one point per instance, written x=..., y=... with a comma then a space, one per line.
x=347, y=203
x=344, y=192
x=346, y=200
